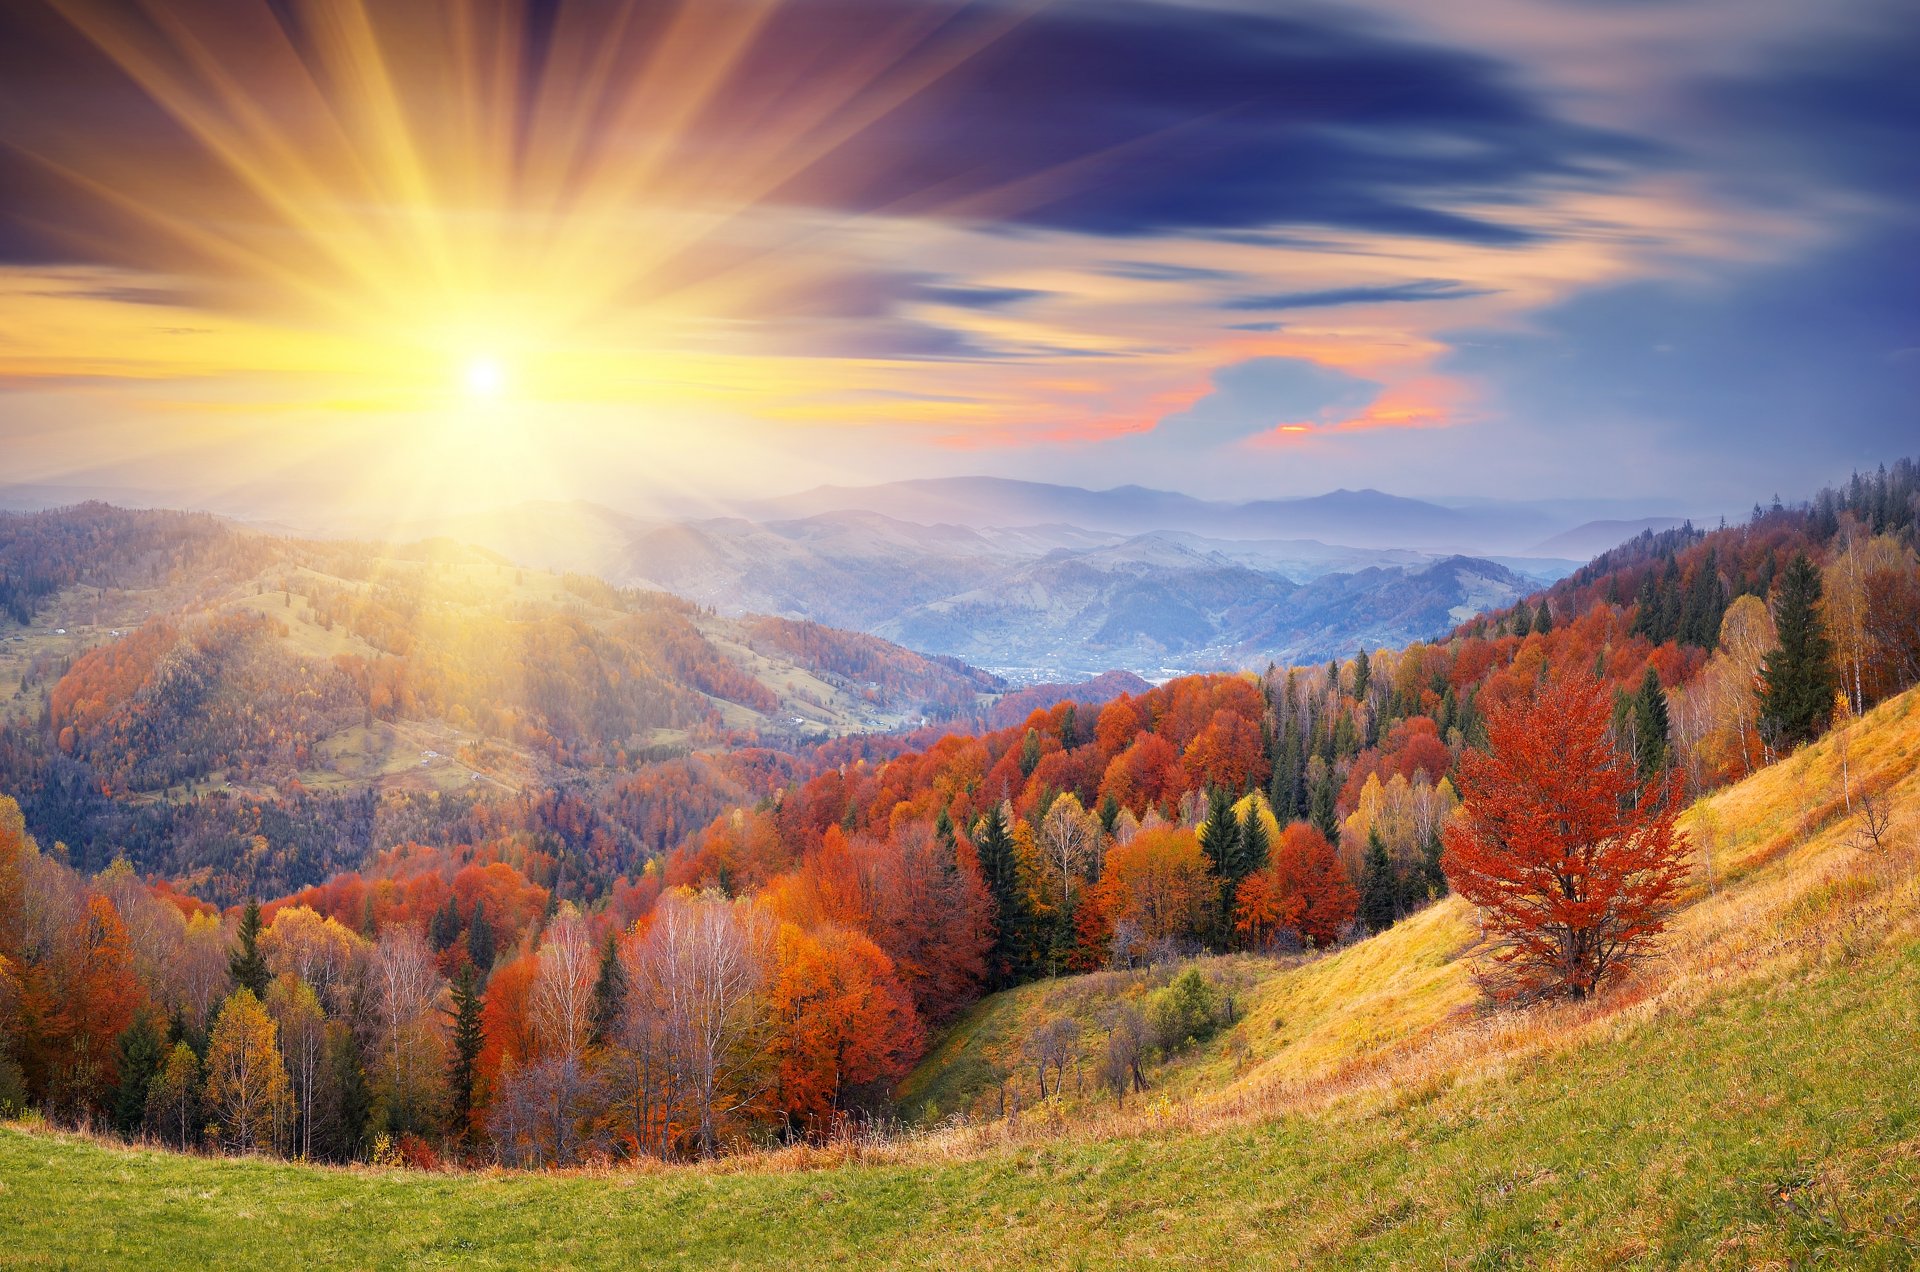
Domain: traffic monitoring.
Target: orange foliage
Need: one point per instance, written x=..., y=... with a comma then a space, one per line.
x=1573, y=866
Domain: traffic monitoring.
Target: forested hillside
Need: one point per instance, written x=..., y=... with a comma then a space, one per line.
x=519, y=988
x=179, y=689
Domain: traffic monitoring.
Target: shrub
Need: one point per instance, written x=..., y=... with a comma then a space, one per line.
x=1185, y=1012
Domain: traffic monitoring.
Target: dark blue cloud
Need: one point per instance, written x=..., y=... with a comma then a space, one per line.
x=978, y=297
x=1417, y=289
x=1159, y=272
x=1129, y=118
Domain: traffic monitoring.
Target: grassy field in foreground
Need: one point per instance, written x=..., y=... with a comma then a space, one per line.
x=1778, y=1124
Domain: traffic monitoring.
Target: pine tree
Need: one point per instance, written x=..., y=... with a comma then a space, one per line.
x=140, y=1054
x=1543, y=618
x=245, y=964
x=1522, y=620
x=609, y=994
x=468, y=1038
x=1362, y=676
x=1379, y=891
x=1797, y=681
x=480, y=941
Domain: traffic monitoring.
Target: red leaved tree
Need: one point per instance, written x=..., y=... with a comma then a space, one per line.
x=1573, y=865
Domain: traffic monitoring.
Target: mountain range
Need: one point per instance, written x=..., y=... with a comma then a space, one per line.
x=1032, y=602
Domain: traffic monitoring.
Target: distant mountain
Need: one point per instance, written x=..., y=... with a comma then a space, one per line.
x=1163, y=616
x=1584, y=542
x=1358, y=518
x=1043, y=600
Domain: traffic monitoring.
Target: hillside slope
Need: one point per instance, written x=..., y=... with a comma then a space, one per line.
x=1751, y=1099
x=1777, y=867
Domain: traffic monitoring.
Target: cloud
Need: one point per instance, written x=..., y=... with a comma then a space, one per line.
x=1391, y=293
x=1255, y=396
x=978, y=297
x=1129, y=118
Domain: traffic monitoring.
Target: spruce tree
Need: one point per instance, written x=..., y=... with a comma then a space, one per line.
x=1379, y=890
x=1320, y=803
x=1362, y=676
x=1522, y=620
x=1000, y=870
x=1220, y=832
x=1797, y=680
x=480, y=941
x=1029, y=753
x=1543, y=618
x=468, y=1038
x=1651, y=732
x=609, y=994
x=1251, y=851
x=245, y=964
x=444, y=928
x=140, y=1052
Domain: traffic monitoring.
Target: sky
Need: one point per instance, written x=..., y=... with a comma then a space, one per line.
x=454, y=253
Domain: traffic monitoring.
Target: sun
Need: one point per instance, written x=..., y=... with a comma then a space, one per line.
x=484, y=378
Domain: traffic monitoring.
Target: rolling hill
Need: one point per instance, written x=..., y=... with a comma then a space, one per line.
x=1750, y=1099
x=173, y=670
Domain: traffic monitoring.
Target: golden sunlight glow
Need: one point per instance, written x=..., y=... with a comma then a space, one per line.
x=484, y=378
x=387, y=230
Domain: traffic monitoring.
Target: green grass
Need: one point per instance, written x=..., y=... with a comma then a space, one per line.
x=1779, y=1123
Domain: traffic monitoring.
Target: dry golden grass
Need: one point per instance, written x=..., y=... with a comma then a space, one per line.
x=1396, y=1018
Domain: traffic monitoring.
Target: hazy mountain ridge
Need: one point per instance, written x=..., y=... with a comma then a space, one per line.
x=1051, y=600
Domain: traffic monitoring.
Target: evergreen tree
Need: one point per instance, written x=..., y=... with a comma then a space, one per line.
x=1705, y=606
x=1029, y=753
x=1432, y=876
x=1797, y=681
x=1543, y=618
x=1070, y=727
x=140, y=1054
x=1379, y=890
x=1000, y=870
x=444, y=928
x=1522, y=620
x=1109, y=813
x=245, y=964
x=468, y=1038
x=1220, y=832
x=1289, y=794
x=609, y=994
x=480, y=941
x=1651, y=732
x=1251, y=850
x=1362, y=676
x=340, y=1121
x=1320, y=802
